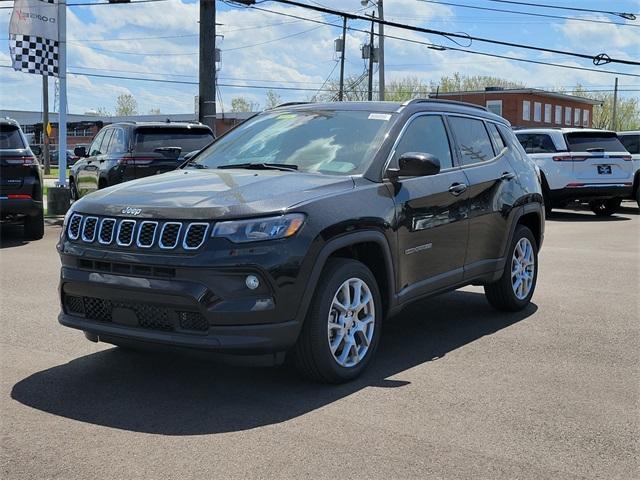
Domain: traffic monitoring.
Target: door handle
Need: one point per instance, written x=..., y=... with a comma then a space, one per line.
x=506, y=176
x=457, y=188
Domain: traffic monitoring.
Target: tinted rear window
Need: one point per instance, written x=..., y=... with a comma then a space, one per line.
x=585, y=141
x=631, y=143
x=188, y=139
x=473, y=140
x=10, y=137
x=536, y=143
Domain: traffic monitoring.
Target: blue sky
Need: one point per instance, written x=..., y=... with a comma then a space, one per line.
x=159, y=40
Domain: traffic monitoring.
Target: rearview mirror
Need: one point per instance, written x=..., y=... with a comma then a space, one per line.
x=80, y=152
x=415, y=164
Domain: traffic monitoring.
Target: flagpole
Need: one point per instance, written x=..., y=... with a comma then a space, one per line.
x=62, y=111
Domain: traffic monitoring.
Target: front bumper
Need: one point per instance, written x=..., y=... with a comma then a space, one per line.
x=592, y=191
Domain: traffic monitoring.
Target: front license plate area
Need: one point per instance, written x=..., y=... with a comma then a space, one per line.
x=604, y=169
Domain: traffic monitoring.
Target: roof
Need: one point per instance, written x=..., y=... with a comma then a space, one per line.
x=8, y=121
x=561, y=130
x=523, y=91
x=164, y=124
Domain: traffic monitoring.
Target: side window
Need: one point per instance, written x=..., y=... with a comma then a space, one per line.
x=425, y=134
x=473, y=140
x=630, y=142
x=498, y=142
x=104, y=148
x=95, y=145
x=116, y=145
x=536, y=143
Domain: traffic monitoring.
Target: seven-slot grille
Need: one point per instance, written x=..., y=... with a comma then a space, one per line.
x=145, y=234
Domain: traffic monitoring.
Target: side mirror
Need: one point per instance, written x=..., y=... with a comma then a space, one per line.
x=415, y=164
x=80, y=152
x=36, y=150
x=190, y=155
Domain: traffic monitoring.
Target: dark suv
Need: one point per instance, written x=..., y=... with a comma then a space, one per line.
x=301, y=229
x=20, y=181
x=130, y=150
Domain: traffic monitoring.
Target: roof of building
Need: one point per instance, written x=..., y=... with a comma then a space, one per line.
x=521, y=91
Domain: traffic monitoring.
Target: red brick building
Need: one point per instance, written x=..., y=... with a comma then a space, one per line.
x=530, y=107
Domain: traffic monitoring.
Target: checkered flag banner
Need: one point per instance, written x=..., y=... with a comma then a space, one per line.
x=33, y=37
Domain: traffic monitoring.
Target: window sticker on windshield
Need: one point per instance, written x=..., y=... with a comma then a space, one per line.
x=379, y=116
x=286, y=116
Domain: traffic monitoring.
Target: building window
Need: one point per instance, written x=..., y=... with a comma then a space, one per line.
x=547, y=113
x=567, y=115
x=558, y=115
x=537, y=112
x=495, y=106
x=526, y=110
x=585, y=118
x=576, y=117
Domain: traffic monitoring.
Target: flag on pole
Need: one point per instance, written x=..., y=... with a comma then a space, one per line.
x=33, y=37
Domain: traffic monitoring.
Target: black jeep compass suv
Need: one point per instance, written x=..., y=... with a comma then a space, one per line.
x=301, y=229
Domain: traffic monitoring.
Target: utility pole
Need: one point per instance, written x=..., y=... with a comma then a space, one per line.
x=380, y=52
x=344, y=47
x=371, y=50
x=614, y=123
x=45, y=123
x=207, y=69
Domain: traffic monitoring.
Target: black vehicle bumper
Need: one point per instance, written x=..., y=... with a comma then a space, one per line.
x=10, y=207
x=198, y=314
x=592, y=192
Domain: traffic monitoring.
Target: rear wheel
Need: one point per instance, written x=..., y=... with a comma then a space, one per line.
x=605, y=208
x=638, y=196
x=515, y=288
x=34, y=226
x=340, y=333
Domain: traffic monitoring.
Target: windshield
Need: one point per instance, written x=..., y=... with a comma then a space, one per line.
x=187, y=139
x=10, y=137
x=583, y=141
x=326, y=141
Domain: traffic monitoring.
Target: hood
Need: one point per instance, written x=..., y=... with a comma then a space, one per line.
x=212, y=194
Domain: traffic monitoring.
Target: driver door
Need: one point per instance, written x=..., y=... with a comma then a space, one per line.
x=431, y=212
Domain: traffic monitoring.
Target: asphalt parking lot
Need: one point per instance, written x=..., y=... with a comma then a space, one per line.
x=457, y=390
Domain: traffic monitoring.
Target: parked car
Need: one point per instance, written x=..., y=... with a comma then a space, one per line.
x=20, y=181
x=631, y=141
x=580, y=164
x=302, y=228
x=130, y=150
x=72, y=158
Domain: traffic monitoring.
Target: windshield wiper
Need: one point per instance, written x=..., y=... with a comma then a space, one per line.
x=263, y=166
x=194, y=164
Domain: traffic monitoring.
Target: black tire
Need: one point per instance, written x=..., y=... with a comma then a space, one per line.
x=548, y=206
x=638, y=196
x=501, y=294
x=312, y=355
x=73, y=190
x=605, y=208
x=34, y=226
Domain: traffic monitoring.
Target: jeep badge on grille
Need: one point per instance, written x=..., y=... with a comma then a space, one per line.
x=131, y=211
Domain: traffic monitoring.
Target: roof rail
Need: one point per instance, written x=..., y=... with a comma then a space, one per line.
x=287, y=104
x=442, y=100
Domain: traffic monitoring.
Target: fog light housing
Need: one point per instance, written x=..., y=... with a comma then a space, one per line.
x=252, y=282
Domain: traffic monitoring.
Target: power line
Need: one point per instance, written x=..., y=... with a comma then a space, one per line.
x=596, y=59
x=628, y=16
x=531, y=14
x=99, y=3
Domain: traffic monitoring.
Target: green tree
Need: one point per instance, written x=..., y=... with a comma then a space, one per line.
x=627, y=110
x=273, y=99
x=126, y=105
x=240, y=104
x=405, y=88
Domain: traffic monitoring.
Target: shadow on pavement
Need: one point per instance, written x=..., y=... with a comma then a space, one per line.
x=12, y=235
x=175, y=394
x=586, y=216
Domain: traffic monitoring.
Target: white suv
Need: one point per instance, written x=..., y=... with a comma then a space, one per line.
x=580, y=164
x=631, y=141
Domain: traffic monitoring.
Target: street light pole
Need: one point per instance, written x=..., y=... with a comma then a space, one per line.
x=380, y=52
x=370, y=89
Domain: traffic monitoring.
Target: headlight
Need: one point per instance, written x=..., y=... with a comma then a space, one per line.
x=258, y=229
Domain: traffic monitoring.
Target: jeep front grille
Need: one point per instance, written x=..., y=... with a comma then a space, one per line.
x=143, y=234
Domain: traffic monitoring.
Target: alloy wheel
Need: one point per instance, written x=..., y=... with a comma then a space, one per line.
x=522, y=268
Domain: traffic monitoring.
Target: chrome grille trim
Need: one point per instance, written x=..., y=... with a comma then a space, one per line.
x=133, y=231
x=153, y=236
x=175, y=244
x=85, y=238
x=72, y=220
x=113, y=230
x=186, y=235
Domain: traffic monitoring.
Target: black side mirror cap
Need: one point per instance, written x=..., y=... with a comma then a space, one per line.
x=36, y=150
x=80, y=152
x=415, y=164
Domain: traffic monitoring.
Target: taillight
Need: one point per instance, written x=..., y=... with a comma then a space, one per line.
x=136, y=160
x=627, y=158
x=569, y=158
x=21, y=160
x=18, y=196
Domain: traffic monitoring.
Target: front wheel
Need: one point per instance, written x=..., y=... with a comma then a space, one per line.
x=515, y=288
x=73, y=190
x=340, y=333
x=605, y=208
